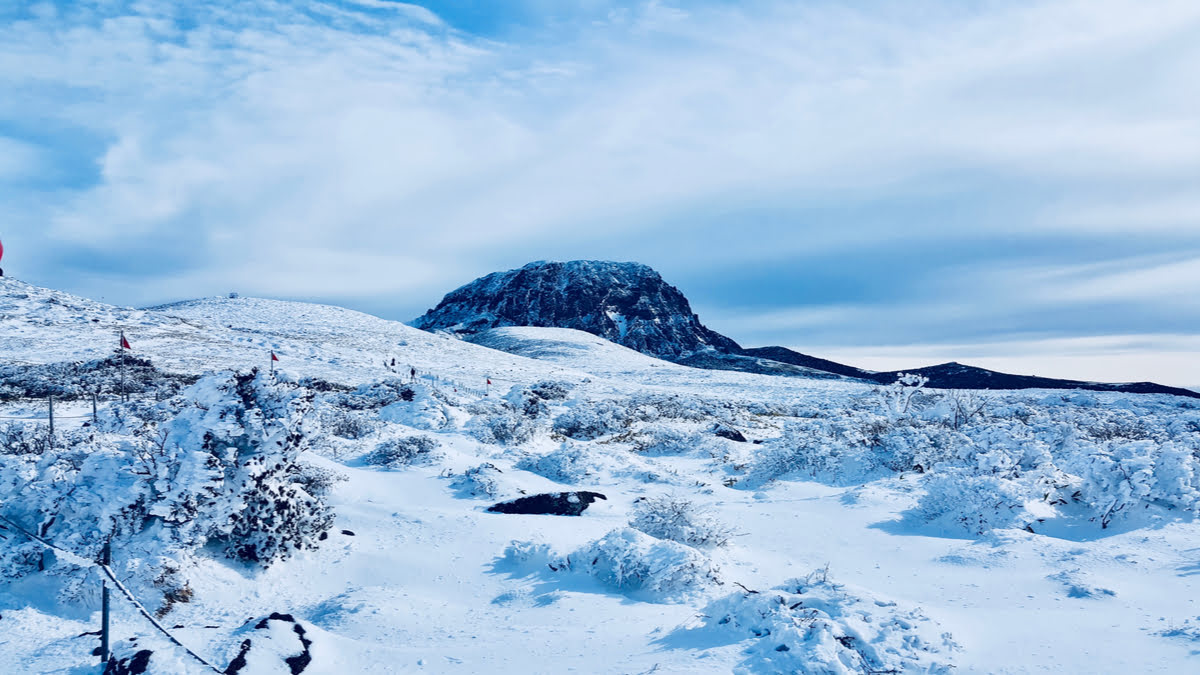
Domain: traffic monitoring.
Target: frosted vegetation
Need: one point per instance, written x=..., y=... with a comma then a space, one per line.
x=200, y=474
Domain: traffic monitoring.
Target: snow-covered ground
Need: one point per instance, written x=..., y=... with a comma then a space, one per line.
x=898, y=530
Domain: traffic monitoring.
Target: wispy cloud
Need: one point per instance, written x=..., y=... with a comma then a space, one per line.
x=931, y=160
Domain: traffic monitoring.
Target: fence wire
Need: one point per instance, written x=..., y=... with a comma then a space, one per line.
x=77, y=559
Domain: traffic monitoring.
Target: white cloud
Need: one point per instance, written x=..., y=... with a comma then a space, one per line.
x=283, y=148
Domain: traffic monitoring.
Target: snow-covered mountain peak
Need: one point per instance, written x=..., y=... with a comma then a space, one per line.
x=624, y=302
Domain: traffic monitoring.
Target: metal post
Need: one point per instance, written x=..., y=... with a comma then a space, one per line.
x=95, y=415
x=51, y=398
x=105, y=559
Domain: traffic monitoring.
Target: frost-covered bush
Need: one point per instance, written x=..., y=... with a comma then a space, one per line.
x=832, y=452
x=896, y=399
x=348, y=424
x=568, y=463
x=411, y=404
x=533, y=401
x=549, y=390
x=227, y=470
x=961, y=500
x=23, y=438
x=680, y=520
x=482, y=480
x=400, y=452
x=589, y=420
x=814, y=626
x=317, y=480
x=499, y=423
x=662, y=440
x=632, y=562
x=117, y=374
x=221, y=468
x=380, y=394
x=1121, y=479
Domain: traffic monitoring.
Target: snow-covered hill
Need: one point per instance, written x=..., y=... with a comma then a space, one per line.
x=752, y=524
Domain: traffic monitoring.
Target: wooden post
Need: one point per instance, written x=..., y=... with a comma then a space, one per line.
x=51, y=399
x=105, y=559
x=95, y=415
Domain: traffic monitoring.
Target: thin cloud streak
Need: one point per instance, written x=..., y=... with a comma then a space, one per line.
x=271, y=146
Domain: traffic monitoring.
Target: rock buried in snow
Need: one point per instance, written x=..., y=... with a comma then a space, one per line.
x=278, y=644
x=550, y=504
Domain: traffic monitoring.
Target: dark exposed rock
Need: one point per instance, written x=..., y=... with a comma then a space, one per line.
x=295, y=654
x=134, y=664
x=730, y=433
x=625, y=303
x=550, y=504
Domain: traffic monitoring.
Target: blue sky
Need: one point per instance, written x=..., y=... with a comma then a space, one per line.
x=892, y=183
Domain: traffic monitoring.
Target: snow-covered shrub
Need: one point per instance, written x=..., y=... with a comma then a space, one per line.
x=533, y=401
x=23, y=438
x=663, y=440
x=317, y=480
x=896, y=399
x=1121, y=425
x=1124, y=478
x=348, y=424
x=223, y=470
x=680, y=520
x=550, y=390
x=117, y=374
x=962, y=500
x=836, y=453
x=380, y=394
x=589, y=420
x=479, y=481
x=499, y=423
x=964, y=406
x=632, y=562
x=814, y=626
x=568, y=463
x=400, y=452
x=229, y=466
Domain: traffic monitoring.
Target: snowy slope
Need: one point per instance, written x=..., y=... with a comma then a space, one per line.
x=428, y=582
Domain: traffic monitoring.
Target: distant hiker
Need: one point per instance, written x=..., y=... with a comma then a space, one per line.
x=412, y=372
x=393, y=362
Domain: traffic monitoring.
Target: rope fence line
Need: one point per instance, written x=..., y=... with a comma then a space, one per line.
x=45, y=419
x=77, y=559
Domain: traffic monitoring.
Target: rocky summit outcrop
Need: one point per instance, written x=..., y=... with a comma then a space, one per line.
x=626, y=303
x=631, y=305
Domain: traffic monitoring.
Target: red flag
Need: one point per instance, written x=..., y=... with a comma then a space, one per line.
x=125, y=343
x=489, y=382
x=273, y=357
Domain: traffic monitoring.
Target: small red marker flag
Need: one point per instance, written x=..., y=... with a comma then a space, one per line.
x=273, y=357
x=489, y=382
x=125, y=343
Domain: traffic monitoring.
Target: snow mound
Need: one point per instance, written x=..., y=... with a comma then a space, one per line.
x=815, y=626
x=629, y=562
